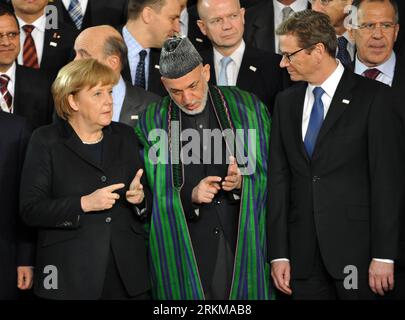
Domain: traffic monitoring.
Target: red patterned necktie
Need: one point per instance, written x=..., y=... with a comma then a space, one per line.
x=371, y=73
x=4, y=79
x=30, y=58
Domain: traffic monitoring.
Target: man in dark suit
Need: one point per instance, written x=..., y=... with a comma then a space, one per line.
x=105, y=44
x=377, y=60
x=232, y=62
x=16, y=248
x=25, y=91
x=149, y=24
x=263, y=19
x=93, y=12
x=42, y=46
x=334, y=185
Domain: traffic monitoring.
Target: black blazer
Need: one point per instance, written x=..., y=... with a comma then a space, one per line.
x=347, y=197
x=198, y=39
x=32, y=96
x=16, y=243
x=154, y=83
x=58, y=48
x=259, y=26
x=56, y=175
x=259, y=73
x=98, y=12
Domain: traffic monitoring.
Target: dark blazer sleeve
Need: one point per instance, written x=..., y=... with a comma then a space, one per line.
x=37, y=207
x=279, y=188
x=385, y=167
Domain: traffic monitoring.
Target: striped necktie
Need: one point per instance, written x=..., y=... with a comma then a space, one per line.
x=8, y=99
x=75, y=12
x=30, y=58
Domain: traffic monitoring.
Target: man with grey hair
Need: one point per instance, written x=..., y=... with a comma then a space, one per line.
x=335, y=189
x=204, y=241
x=105, y=44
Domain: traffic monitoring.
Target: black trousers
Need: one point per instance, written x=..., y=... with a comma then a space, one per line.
x=114, y=288
x=322, y=286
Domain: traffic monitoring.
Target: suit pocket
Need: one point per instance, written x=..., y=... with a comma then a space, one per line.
x=52, y=237
x=357, y=212
x=137, y=228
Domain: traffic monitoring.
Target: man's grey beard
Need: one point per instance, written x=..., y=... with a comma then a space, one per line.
x=202, y=104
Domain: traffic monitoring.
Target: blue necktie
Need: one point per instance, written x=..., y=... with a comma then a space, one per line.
x=140, y=70
x=342, y=53
x=223, y=77
x=315, y=121
x=75, y=12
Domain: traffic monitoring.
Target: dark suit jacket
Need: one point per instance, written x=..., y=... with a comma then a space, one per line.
x=154, y=83
x=32, y=96
x=135, y=102
x=259, y=26
x=98, y=12
x=16, y=246
x=347, y=197
x=259, y=73
x=198, y=39
x=58, y=48
x=56, y=175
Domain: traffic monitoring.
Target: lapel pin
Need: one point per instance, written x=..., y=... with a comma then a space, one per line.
x=253, y=68
x=134, y=117
x=157, y=66
x=345, y=101
x=53, y=44
x=199, y=40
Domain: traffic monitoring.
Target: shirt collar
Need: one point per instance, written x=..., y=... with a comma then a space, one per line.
x=297, y=5
x=130, y=39
x=387, y=68
x=11, y=72
x=331, y=83
x=38, y=24
x=119, y=87
x=236, y=56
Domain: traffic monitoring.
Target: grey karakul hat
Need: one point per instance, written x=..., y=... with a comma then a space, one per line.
x=178, y=57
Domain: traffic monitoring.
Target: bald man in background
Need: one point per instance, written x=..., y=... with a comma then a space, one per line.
x=106, y=44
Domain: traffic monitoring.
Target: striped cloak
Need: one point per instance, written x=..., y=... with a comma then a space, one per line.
x=174, y=270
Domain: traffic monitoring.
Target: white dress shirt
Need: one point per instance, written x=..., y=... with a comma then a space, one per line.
x=296, y=6
x=118, y=95
x=83, y=4
x=387, y=69
x=232, y=70
x=184, y=22
x=38, y=34
x=10, y=87
x=329, y=86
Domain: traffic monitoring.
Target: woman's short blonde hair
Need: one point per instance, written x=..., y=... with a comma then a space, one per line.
x=75, y=76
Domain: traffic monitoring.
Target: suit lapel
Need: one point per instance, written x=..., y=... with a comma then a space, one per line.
x=130, y=104
x=339, y=104
x=297, y=105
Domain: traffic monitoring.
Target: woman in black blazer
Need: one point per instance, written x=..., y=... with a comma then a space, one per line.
x=82, y=187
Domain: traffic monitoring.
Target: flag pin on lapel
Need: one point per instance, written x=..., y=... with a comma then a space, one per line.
x=253, y=68
x=345, y=101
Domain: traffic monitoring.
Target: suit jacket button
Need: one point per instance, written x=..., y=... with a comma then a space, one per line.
x=217, y=202
x=216, y=231
x=108, y=219
x=315, y=178
x=103, y=178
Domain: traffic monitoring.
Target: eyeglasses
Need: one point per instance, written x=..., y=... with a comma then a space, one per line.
x=322, y=2
x=10, y=35
x=371, y=27
x=288, y=56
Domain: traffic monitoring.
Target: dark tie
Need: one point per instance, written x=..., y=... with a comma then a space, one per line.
x=4, y=79
x=30, y=58
x=140, y=70
x=342, y=53
x=371, y=73
x=315, y=121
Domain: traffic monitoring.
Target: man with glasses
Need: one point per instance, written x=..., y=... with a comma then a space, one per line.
x=24, y=91
x=375, y=36
x=337, y=12
x=334, y=191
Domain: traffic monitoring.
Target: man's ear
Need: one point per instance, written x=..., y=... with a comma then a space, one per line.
x=206, y=72
x=72, y=102
x=114, y=62
x=147, y=15
x=242, y=12
x=202, y=26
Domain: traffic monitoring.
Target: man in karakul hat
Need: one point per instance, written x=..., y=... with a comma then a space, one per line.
x=206, y=151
